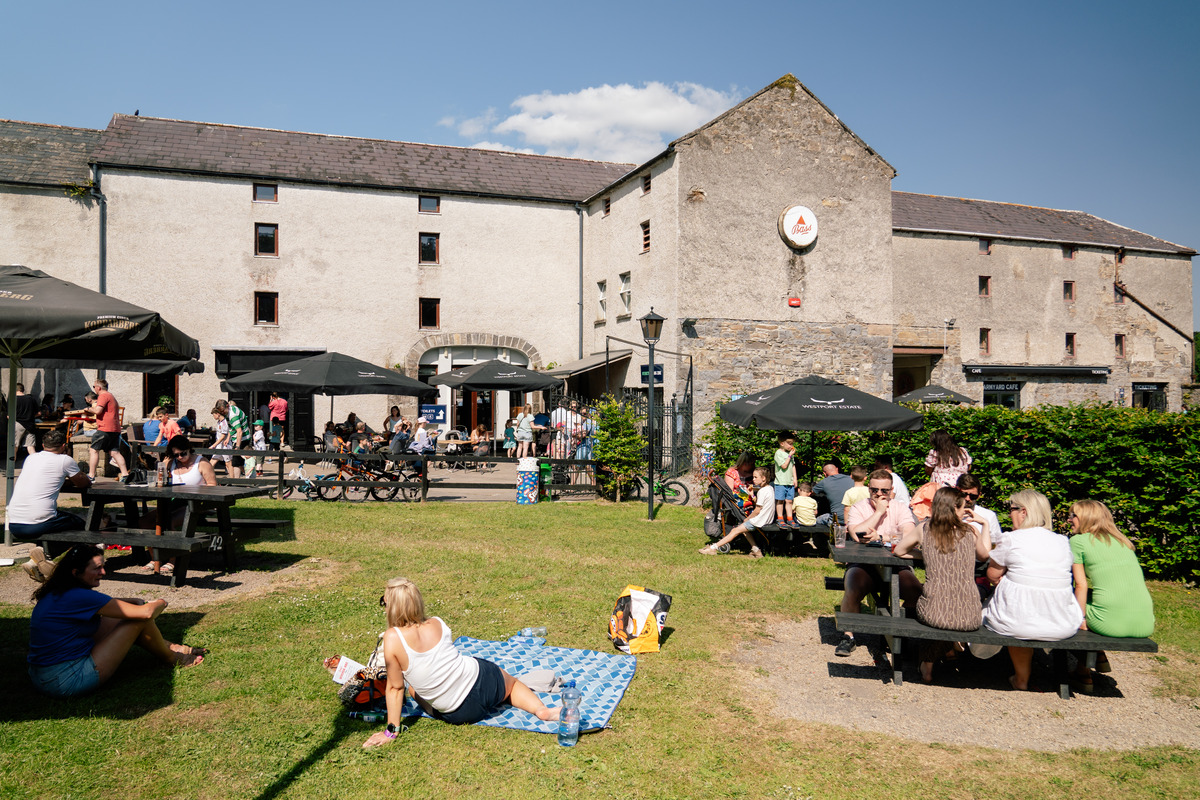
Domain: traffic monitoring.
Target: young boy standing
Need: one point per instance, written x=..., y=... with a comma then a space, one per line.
x=785, y=479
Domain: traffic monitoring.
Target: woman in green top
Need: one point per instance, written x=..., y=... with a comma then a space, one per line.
x=1104, y=559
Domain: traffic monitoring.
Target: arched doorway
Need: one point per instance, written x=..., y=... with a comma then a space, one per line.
x=466, y=409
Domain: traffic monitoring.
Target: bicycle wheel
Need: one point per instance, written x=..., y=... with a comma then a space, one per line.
x=675, y=493
x=326, y=491
x=356, y=494
x=385, y=492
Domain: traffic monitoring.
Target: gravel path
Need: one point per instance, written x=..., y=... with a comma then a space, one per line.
x=797, y=669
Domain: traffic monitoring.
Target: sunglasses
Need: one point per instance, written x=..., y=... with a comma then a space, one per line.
x=1015, y=508
x=972, y=495
x=1072, y=516
x=177, y=454
x=877, y=490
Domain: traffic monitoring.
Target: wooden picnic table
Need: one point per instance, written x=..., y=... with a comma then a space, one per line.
x=198, y=501
x=882, y=557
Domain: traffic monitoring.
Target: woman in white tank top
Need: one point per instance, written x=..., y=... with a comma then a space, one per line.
x=187, y=469
x=419, y=651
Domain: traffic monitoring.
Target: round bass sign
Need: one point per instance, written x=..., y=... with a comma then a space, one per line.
x=798, y=226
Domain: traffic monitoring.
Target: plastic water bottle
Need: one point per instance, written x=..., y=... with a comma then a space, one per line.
x=369, y=716
x=534, y=632
x=568, y=720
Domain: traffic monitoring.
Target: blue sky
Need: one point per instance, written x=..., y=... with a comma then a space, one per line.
x=1091, y=106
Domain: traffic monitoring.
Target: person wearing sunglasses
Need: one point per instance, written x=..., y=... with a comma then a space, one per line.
x=1031, y=569
x=969, y=485
x=187, y=469
x=878, y=517
x=78, y=636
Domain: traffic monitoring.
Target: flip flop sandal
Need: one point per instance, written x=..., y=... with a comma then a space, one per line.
x=709, y=551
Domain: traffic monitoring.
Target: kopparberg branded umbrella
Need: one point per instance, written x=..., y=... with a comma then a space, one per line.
x=52, y=323
x=932, y=394
x=819, y=404
x=493, y=375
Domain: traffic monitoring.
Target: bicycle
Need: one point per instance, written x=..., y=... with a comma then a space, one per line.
x=311, y=492
x=670, y=491
x=349, y=470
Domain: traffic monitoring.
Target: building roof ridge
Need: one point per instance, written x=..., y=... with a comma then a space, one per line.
x=350, y=137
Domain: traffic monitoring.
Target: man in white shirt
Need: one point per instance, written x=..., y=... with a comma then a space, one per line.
x=33, y=509
x=969, y=485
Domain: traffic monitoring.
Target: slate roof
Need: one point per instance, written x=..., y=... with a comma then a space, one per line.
x=201, y=147
x=45, y=155
x=927, y=212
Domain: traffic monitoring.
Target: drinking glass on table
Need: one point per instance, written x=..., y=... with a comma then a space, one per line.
x=839, y=535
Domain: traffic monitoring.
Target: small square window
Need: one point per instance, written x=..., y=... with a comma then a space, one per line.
x=266, y=193
x=430, y=248
x=266, y=308
x=1118, y=295
x=985, y=341
x=428, y=204
x=985, y=285
x=1068, y=291
x=431, y=311
x=1120, y=343
x=601, y=300
x=626, y=294
x=1068, y=251
x=985, y=247
x=1070, y=343
x=266, y=239
x=645, y=236
x=646, y=183
x=607, y=206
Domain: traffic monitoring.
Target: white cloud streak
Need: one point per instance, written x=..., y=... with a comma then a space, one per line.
x=607, y=123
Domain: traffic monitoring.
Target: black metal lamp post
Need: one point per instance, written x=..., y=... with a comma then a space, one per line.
x=652, y=325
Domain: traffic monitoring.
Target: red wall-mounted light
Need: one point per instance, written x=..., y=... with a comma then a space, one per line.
x=794, y=302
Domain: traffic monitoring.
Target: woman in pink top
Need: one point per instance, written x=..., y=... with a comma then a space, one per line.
x=419, y=651
x=278, y=408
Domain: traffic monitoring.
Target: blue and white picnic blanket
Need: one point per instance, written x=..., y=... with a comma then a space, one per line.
x=602, y=677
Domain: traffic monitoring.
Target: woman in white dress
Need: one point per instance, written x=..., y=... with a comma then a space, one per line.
x=1031, y=569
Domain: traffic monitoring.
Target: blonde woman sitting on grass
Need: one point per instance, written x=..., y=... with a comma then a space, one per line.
x=420, y=653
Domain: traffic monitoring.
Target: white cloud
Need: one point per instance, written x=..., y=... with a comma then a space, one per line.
x=608, y=123
x=506, y=148
x=471, y=127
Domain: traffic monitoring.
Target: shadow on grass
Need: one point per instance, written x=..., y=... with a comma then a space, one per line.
x=206, y=570
x=344, y=728
x=141, y=685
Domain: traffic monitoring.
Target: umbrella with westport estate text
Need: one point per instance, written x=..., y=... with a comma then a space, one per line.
x=819, y=404
x=932, y=394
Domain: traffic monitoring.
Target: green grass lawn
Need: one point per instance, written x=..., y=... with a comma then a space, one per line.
x=259, y=718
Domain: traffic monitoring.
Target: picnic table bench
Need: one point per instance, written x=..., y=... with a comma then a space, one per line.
x=200, y=503
x=728, y=512
x=889, y=620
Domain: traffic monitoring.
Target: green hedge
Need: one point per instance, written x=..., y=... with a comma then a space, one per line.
x=1144, y=465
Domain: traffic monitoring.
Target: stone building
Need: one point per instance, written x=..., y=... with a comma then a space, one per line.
x=268, y=245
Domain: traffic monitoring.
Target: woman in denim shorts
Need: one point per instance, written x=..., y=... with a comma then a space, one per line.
x=79, y=636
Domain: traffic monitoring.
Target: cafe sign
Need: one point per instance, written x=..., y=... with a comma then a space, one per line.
x=798, y=226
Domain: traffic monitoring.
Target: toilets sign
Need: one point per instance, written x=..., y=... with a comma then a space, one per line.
x=798, y=226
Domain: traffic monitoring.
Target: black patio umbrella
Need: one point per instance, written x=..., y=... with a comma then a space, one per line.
x=496, y=376
x=331, y=374
x=52, y=323
x=819, y=404
x=932, y=394
x=328, y=373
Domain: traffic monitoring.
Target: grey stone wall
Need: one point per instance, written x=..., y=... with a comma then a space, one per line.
x=733, y=356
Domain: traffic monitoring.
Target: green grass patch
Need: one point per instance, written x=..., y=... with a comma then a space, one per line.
x=259, y=719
